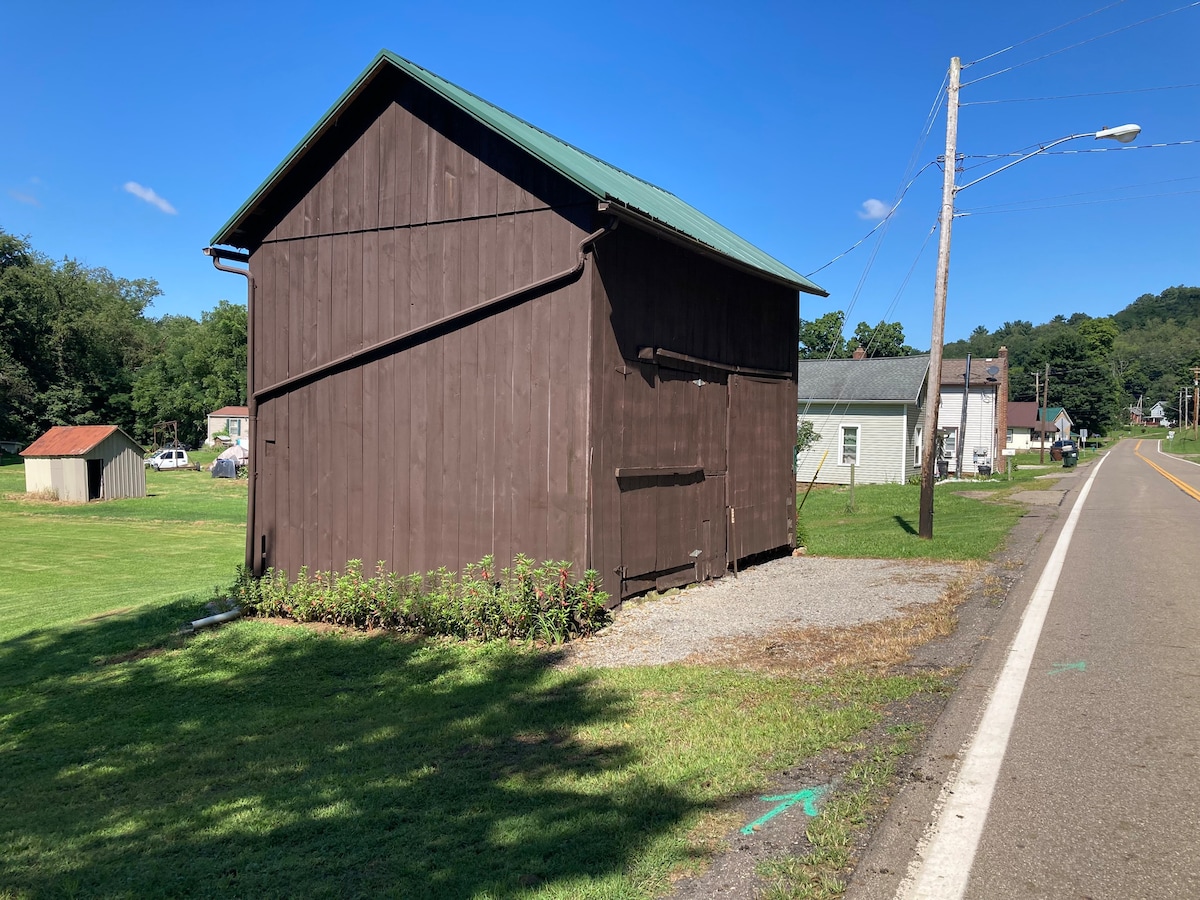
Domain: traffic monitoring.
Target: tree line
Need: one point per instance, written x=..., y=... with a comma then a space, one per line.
x=1098, y=367
x=77, y=347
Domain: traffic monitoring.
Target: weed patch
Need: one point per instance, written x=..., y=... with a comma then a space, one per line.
x=526, y=600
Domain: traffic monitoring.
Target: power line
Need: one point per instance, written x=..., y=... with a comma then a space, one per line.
x=878, y=224
x=1025, y=152
x=1167, y=87
x=1123, y=187
x=994, y=212
x=1043, y=34
x=1074, y=46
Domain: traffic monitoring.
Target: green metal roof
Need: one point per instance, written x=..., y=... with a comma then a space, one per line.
x=602, y=180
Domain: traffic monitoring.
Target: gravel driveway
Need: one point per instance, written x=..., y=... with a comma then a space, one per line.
x=783, y=594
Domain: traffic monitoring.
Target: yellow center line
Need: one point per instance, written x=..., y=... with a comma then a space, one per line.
x=1183, y=486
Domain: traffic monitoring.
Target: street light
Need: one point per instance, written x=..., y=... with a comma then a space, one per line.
x=1123, y=133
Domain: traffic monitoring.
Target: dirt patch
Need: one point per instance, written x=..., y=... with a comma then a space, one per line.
x=108, y=614
x=733, y=872
x=877, y=645
x=130, y=656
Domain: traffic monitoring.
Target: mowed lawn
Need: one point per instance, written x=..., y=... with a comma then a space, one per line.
x=65, y=562
x=260, y=760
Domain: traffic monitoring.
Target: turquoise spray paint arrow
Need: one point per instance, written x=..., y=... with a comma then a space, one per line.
x=1059, y=668
x=808, y=797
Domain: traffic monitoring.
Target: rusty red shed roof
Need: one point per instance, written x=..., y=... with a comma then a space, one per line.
x=231, y=411
x=70, y=440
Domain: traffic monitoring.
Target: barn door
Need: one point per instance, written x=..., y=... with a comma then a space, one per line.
x=761, y=486
x=671, y=480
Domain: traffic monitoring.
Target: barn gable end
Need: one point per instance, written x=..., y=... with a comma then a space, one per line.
x=450, y=333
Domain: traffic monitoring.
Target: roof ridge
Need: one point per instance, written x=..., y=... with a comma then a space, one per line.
x=538, y=128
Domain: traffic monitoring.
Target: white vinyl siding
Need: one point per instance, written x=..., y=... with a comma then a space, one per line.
x=848, y=443
x=981, y=422
x=885, y=433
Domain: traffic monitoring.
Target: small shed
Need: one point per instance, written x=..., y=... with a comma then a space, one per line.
x=468, y=337
x=85, y=462
x=231, y=420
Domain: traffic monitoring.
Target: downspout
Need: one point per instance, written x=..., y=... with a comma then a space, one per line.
x=216, y=254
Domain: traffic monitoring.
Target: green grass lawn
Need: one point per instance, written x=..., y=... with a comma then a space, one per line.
x=1184, y=444
x=970, y=517
x=63, y=562
x=278, y=761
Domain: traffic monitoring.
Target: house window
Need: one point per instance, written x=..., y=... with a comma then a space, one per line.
x=848, y=438
x=918, y=441
x=233, y=427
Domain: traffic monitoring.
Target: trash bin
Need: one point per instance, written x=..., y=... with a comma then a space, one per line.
x=943, y=467
x=1070, y=458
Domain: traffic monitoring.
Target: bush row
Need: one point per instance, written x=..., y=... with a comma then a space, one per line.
x=523, y=601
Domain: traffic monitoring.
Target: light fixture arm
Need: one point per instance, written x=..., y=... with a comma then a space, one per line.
x=1020, y=159
x=1124, y=134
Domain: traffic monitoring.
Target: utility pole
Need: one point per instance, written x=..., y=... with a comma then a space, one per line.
x=1196, y=402
x=962, y=422
x=934, y=382
x=1045, y=403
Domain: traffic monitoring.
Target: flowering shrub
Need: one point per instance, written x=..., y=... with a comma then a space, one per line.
x=522, y=601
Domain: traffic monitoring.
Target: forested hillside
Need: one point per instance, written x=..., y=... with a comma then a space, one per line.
x=77, y=348
x=1099, y=367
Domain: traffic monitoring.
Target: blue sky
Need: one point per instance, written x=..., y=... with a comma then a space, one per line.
x=133, y=132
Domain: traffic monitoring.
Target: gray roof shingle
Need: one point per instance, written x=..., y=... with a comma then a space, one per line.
x=894, y=379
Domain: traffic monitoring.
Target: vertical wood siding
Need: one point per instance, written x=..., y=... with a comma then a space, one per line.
x=471, y=443
x=645, y=527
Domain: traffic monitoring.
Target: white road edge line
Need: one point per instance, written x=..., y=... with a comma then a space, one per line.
x=1162, y=452
x=949, y=853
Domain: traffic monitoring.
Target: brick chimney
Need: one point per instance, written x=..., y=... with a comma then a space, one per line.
x=859, y=352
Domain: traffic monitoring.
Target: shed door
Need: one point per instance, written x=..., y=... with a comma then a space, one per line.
x=671, y=480
x=762, y=485
x=95, y=478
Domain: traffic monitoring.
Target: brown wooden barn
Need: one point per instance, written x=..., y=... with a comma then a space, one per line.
x=468, y=337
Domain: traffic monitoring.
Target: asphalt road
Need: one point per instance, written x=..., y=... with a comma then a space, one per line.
x=1096, y=786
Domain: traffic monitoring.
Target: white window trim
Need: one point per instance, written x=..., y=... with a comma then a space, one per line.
x=842, y=444
x=918, y=445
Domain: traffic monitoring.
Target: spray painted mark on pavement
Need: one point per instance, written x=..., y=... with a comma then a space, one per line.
x=1059, y=668
x=809, y=797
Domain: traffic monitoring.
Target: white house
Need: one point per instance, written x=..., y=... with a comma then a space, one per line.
x=973, y=414
x=231, y=420
x=1025, y=428
x=869, y=414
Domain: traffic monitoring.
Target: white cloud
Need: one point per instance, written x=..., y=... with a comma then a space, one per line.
x=150, y=197
x=873, y=210
x=21, y=197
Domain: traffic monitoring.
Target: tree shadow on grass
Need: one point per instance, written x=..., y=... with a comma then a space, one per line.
x=268, y=761
x=905, y=524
